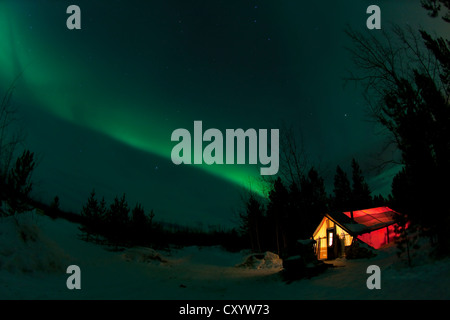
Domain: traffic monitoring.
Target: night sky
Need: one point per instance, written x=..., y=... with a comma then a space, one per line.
x=99, y=104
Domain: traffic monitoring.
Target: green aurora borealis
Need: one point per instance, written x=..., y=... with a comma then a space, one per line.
x=136, y=72
x=74, y=92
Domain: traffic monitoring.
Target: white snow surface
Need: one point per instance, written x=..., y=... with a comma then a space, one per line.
x=266, y=260
x=36, y=269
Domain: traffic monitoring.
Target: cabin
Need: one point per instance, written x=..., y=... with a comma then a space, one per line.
x=338, y=230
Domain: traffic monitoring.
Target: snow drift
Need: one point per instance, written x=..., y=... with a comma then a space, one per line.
x=34, y=242
x=143, y=255
x=267, y=260
x=24, y=248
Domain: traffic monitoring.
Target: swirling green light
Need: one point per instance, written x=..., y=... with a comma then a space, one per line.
x=56, y=79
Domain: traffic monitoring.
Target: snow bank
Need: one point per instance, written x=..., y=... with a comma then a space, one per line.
x=192, y=273
x=24, y=247
x=267, y=260
x=209, y=255
x=142, y=254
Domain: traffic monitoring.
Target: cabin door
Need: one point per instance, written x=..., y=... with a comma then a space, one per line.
x=331, y=243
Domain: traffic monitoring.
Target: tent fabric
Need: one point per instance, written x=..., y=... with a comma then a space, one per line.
x=371, y=219
x=378, y=238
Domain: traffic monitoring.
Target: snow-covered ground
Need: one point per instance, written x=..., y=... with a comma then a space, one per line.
x=35, y=268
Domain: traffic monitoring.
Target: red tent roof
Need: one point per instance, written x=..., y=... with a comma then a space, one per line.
x=368, y=220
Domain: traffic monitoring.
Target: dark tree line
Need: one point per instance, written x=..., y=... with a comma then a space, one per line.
x=117, y=222
x=406, y=76
x=292, y=210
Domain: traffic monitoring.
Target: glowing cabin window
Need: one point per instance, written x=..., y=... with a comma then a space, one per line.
x=330, y=239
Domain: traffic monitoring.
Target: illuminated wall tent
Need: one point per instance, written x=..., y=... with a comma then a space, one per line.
x=337, y=230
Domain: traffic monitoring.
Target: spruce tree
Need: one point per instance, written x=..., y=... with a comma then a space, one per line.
x=91, y=209
x=277, y=211
x=252, y=223
x=379, y=201
x=102, y=211
x=10, y=139
x=118, y=219
x=342, y=191
x=92, y=217
x=361, y=195
x=297, y=217
x=139, y=224
x=314, y=198
x=138, y=216
x=19, y=183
